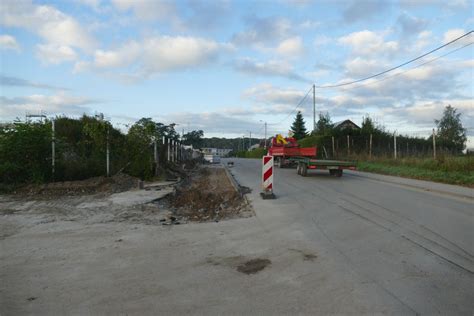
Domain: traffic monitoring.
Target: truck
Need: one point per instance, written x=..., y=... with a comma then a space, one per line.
x=287, y=152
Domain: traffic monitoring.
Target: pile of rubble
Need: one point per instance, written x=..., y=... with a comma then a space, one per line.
x=208, y=195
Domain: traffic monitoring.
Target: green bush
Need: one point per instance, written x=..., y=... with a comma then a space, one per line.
x=311, y=141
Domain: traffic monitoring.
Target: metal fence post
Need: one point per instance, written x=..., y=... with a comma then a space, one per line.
x=434, y=144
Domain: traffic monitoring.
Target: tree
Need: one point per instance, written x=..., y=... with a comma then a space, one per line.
x=323, y=125
x=193, y=138
x=451, y=133
x=368, y=126
x=298, y=128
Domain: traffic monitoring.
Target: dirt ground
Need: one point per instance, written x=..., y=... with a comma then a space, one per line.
x=205, y=194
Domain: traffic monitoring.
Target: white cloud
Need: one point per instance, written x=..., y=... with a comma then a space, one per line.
x=268, y=94
x=359, y=67
x=9, y=42
x=215, y=123
x=149, y=10
x=60, y=103
x=54, y=26
x=367, y=43
x=55, y=54
x=157, y=55
x=455, y=33
x=167, y=53
x=278, y=68
x=124, y=56
x=291, y=47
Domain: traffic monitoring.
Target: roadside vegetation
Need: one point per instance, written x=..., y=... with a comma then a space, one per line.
x=451, y=170
x=80, y=150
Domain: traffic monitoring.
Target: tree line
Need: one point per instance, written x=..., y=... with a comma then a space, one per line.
x=450, y=134
x=80, y=149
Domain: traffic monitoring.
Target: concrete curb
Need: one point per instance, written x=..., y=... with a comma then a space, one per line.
x=233, y=181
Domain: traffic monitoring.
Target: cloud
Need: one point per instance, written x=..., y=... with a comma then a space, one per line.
x=455, y=33
x=18, y=82
x=271, y=68
x=9, y=42
x=55, y=54
x=215, y=123
x=157, y=54
x=269, y=94
x=148, y=10
x=410, y=26
x=368, y=43
x=359, y=67
x=52, y=104
x=364, y=10
x=52, y=25
x=291, y=47
x=262, y=31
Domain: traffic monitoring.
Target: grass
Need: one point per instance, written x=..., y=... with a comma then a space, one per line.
x=452, y=170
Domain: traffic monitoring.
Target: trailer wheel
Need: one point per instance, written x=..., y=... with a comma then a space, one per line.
x=298, y=168
x=332, y=172
x=338, y=173
x=304, y=170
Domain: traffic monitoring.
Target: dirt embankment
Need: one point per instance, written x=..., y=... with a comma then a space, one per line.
x=117, y=183
x=205, y=194
x=208, y=195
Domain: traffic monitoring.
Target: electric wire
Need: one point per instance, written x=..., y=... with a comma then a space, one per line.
x=396, y=67
x=408, y=70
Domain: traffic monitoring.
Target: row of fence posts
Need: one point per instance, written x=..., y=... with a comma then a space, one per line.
x=174, y=151
x=395, y=148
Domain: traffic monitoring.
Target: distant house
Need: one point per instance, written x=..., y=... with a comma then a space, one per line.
x=223, y=152
x=346, y=124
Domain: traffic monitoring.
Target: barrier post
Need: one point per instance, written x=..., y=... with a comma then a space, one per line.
x=267, y=178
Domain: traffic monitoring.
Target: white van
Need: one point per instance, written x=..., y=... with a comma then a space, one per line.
x=212, y=158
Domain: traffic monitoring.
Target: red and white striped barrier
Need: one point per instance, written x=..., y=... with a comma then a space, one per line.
x=267, y=177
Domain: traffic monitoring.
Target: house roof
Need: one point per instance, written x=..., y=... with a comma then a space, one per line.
x=337, y=124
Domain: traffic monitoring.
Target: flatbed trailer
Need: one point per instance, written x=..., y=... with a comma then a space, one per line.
x=335, y=167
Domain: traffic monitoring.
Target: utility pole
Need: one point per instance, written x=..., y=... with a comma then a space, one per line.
x=108, y=152
x=250, y=139
x=155, y=155
x=53, y=149
x=395, y=145
x=314, y=108
x=265, y=143
x=370, y=147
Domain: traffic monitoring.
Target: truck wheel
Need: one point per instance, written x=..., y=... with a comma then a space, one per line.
x=332, y=172
x=304, y=170
x=339, y=173
x=298, y=168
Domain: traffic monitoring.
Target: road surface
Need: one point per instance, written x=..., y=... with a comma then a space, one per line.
x=404, y=244
x=352, y=245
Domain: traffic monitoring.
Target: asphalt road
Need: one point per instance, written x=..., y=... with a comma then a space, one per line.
x=403, y=244
x=360, y=244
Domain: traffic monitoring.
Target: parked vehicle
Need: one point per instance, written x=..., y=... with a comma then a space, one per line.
x=212, y=158
x=287, y=152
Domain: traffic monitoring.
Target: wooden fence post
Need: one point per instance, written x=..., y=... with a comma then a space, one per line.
x=370, y=147
x=348, y=146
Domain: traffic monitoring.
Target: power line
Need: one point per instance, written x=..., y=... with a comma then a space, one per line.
x=396, y=67
x=410, y=69
x=296, y=108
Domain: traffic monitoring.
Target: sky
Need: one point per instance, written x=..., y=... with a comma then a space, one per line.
x=226, y=67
